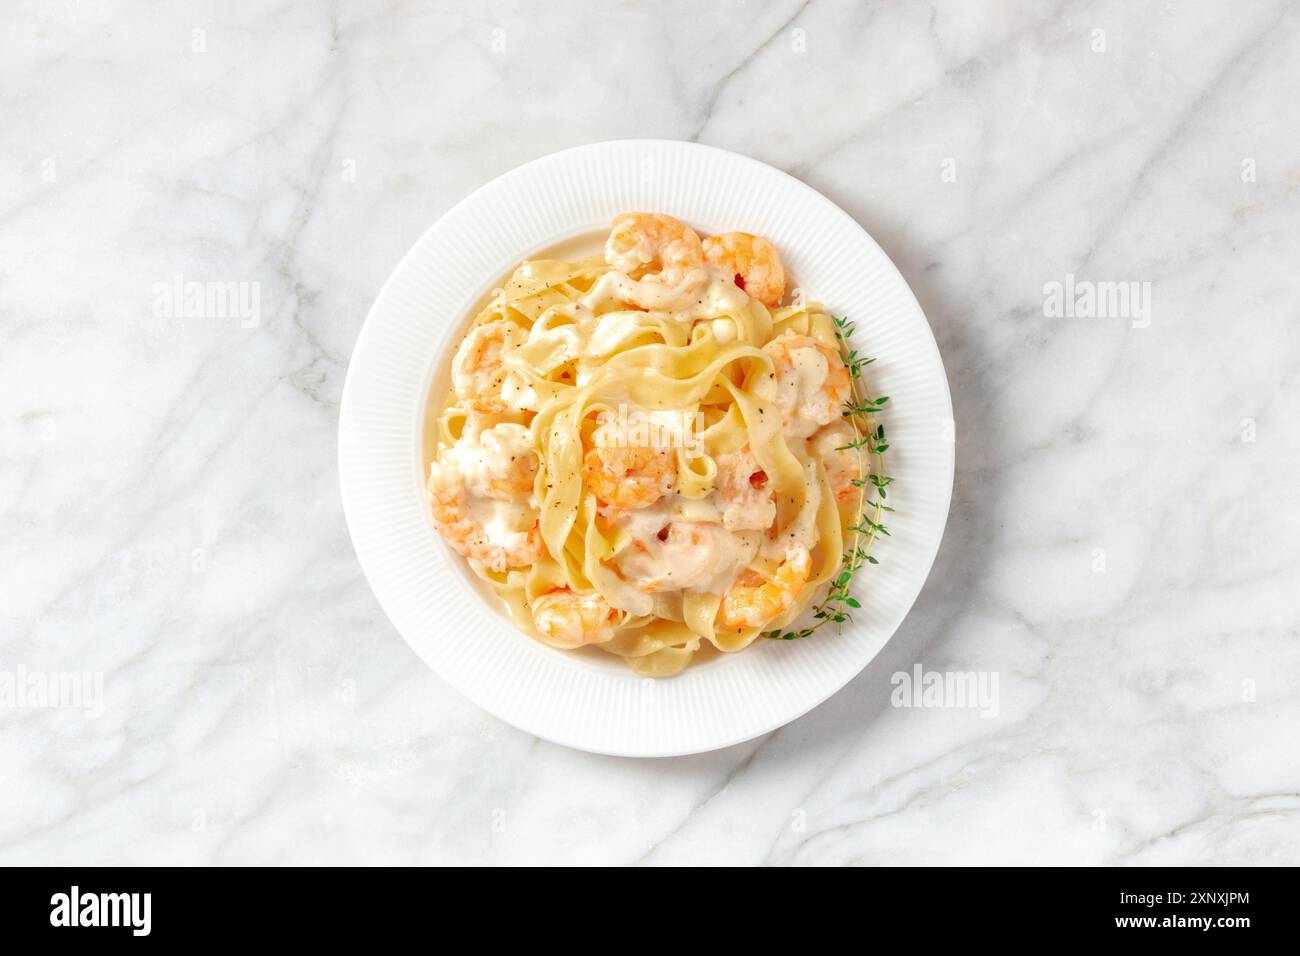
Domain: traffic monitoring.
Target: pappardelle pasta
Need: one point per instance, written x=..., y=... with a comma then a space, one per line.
x=645, y=450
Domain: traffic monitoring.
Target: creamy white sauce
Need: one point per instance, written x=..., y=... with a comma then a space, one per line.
x=470, y=461
x=517, y=393
x=800, y=393
x=643, y=524
x=694, y=557
x=624, y=596
x=743, y=506
x=753, y=511
x=504, y=523
x=703, y=293
x=724, y=330
x=489, y=454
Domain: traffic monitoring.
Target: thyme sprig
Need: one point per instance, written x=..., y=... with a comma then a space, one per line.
x=870, y=443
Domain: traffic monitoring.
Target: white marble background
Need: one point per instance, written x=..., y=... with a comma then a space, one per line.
x=1122, y=550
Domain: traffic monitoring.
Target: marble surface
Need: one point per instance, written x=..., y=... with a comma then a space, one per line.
x=1122, y=552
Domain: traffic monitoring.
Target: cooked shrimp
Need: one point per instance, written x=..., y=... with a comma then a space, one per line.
x=511, y=461
x=504, y=544
x=627, y=477
x=478, y=372
x=682, y=556
x=812, y=382
x=496, y=461
x=563, y=615
x=843, y=464
x=753, y=601
x=640, y=239
x=753, y=263
x=744, y=493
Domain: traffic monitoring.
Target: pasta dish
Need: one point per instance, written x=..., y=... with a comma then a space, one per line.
x=647, y=451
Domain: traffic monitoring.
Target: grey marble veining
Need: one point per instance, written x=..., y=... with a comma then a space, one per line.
x=1122, y=551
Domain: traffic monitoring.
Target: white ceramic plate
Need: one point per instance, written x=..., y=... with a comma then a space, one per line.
x=591, y=701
